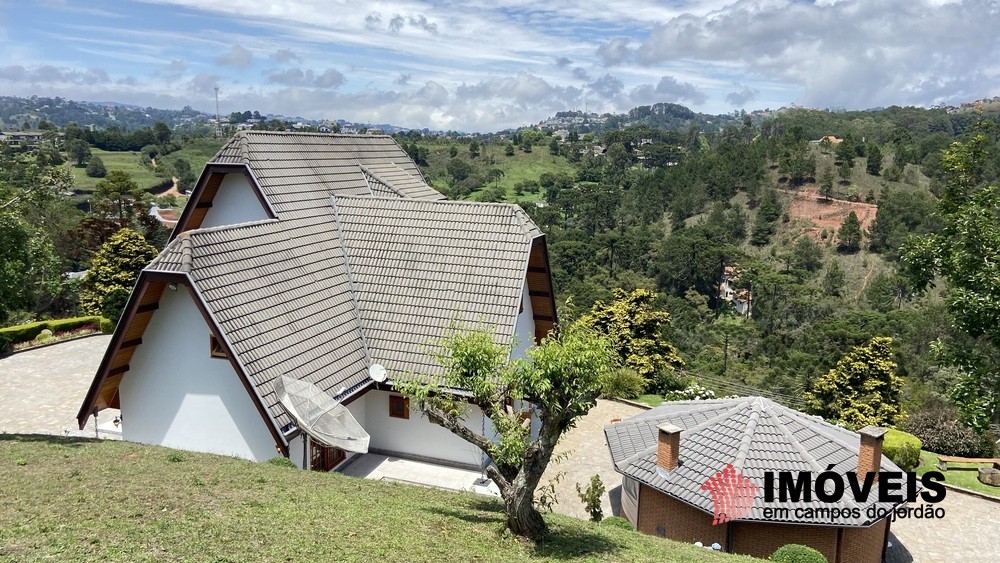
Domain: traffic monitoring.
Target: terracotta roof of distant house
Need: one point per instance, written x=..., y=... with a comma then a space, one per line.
x=752, y=433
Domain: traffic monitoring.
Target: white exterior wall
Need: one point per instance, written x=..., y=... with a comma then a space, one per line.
x=177, y=395
x=524, y=328
x=235, y=202
x=417, y=436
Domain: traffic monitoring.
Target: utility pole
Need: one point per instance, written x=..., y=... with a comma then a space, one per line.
x=218, y=121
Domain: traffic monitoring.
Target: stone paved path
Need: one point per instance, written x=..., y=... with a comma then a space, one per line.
x=41, y=390
x=969, y=532
x=587, y=453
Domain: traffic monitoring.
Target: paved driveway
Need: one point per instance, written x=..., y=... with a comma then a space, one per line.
x=41, y=390
x=970, y=531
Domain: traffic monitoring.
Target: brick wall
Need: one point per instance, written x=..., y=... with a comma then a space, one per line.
x=682, y=522
x=679, y=521
x=863, y=545
x=761, y=540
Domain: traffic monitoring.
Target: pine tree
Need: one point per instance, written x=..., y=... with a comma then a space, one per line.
x=849, y=234
x=113, y=271
x=862, y=390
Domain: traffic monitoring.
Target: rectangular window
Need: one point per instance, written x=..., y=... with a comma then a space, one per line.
x=215, y=347
x=399, y=407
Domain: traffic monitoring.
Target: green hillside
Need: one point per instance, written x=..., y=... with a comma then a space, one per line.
x=70, y=499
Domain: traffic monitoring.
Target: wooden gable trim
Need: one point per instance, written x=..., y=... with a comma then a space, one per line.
x=205, y=191
x=539, y=280
x=103, y=391
x=148, y=289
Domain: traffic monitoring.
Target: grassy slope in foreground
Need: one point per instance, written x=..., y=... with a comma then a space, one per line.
x=76, y=498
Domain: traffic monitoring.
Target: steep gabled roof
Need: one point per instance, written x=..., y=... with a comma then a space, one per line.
x=298, y=171
x=753, y=434
x=280, y=293
x=418, y=266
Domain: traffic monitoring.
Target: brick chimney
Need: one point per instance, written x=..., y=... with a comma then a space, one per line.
x=668, y=446
x=870, y=453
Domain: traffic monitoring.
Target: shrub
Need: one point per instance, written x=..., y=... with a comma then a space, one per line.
x=27, y=332
x=618, y=522
x=591, y=497
x=795, y=553
x=44, y=335
x=902, y=448
x=941, y=432
x=107, y=326
x=282, y=462
x=624, y=383
x=174, y=457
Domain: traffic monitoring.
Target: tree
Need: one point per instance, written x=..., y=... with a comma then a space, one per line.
x=119, y=196
x=635, y=329
x=806, y=255
x=459, y=169
x=554, y=147
x=509, y=149
x=474, y=149
x=863, y=389
x=561, y=379
x=874, y=164
x=29, y=269
x=826, y=183
x=113, y=271
x=95, y=168
x=849, y=233
x=452, y=151
x=79, y=150
x=833, y=280
x=798, y=162
x=844, y=171
x=161, y=132
x=966, y=252
x=845, y=153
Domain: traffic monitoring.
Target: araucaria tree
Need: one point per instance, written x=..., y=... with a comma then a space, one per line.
x=863, y=389
x=560, y=380
x=113, y=271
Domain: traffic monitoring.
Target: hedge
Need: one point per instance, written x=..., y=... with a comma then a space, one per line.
x=902, y=448
x=24, y=333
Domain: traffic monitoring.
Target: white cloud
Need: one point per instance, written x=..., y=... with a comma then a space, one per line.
x=328, y=79
x=238, y=56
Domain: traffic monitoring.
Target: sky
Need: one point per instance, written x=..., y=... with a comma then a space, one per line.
x=486, y=65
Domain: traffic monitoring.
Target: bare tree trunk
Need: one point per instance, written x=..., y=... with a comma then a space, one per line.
x=523, y=519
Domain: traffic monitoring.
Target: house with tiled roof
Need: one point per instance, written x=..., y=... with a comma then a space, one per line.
x=324, y=259
x=669, y=456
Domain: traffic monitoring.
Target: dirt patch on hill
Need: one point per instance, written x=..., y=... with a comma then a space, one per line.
x=826, y=214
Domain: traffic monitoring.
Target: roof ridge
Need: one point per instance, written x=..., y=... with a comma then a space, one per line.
x=244, y=225
x=806, y=454
x=686, y=431
x=186, y=253
x=312, y=134
x=757, y=407
x=372, y=176
x=350, y=280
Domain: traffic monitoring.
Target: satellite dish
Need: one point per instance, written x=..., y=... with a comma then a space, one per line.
x=320, y=416
x=377, y=373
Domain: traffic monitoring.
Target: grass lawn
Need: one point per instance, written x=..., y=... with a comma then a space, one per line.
x=651, y=400
x=125, y=161
x=73, y=498
x=959, y=474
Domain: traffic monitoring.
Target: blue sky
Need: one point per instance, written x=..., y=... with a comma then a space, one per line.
x=486, y=65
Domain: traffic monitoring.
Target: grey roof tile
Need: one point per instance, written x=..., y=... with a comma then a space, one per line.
x=752, y=433
x=334, y=284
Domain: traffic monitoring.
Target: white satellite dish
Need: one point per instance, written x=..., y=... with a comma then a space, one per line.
x=377, y=373
x=324, y=419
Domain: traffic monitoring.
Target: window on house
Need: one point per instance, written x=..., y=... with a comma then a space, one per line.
x=215, y=347
x=661, y=532
x=399, y=407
